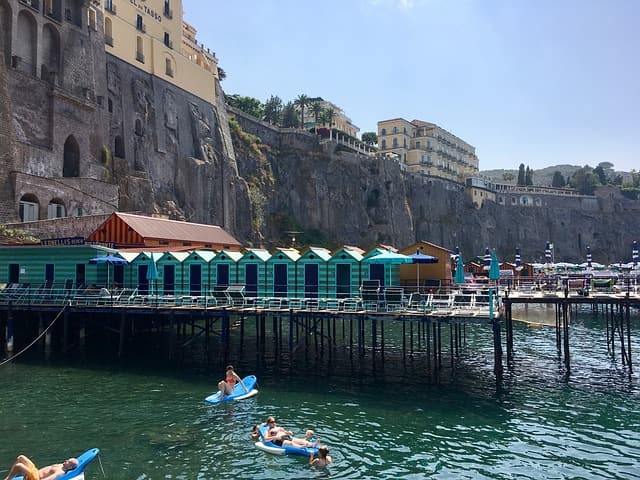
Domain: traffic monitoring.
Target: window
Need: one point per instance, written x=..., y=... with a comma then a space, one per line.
x=29, y=208
x=383, y=132
x=395, y=143
x=168, y=67
x=139, y=24
x=167, y=40
x=139, y=49
x=395, y=129
x=418, y=145
x=108, y=32
x=384, y=144
x=92, y=19
x=428, y=143
x=55, y=209
x=77, y=212
x=110, y=105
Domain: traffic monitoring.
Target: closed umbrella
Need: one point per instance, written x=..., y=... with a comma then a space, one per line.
x=518, y=261
x=634, y=255
x=487, y=259
x=547, y=255
x=459, y=276
x=494, y=274
x=152, y=274
x=589, y=264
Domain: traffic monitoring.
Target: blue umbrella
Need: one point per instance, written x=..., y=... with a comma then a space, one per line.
x=108, y=260
x=518, y=261
x=459, y=276
x=634, y=255
x=589, y=265
x=421, y=258
x=487, y=259
x=494, y=267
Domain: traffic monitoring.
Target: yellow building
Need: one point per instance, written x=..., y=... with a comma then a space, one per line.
x=151, y=35
x=480, y=190
x=425, y=148
x=340, y=121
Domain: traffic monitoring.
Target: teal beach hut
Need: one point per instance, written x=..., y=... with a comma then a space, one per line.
x=171, y=273
x=313, y=273
x=139, y=271
x=376, y=271
x=252, y=272
x=196, y=272
x=345, y=273
x=224, y=268
x=56, y=267
x=281, y=273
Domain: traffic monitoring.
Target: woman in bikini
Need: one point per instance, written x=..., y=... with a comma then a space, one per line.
x=279, y=436
x=231, y=378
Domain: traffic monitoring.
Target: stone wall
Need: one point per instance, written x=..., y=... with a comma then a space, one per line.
x=61, y=227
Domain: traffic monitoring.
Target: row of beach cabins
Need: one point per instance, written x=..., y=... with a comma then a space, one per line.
x=345, y=279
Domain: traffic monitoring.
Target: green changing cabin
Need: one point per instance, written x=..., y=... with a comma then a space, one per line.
x=345, y=273
x=252, y=272
x=281, y=273
x=313, y=273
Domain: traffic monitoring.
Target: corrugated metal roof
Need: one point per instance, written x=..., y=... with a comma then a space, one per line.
x=160, y=228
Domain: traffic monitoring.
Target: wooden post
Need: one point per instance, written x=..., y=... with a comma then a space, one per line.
x=565, y=320
x=497, y=349
x=122, y=334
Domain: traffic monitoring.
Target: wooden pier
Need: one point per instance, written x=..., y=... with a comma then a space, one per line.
x=224, y=326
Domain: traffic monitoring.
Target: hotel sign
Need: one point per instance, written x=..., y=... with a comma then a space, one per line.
x=140, y=5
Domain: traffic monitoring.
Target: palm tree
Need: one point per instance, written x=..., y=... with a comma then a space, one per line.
x=330, y=114
x=316, y=108
x=301, y=102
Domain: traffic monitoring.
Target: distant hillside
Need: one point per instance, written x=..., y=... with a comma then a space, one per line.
x=542, y=177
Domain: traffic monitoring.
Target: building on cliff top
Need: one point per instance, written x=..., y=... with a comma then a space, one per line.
x=151, y=35
x=427, y=149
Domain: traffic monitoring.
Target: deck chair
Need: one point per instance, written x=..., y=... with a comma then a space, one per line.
x=370, y=293
x=220, y=296
x=393, y=299
x=235, y=294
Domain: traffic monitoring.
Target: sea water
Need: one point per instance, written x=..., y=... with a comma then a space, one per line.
x=391, y=418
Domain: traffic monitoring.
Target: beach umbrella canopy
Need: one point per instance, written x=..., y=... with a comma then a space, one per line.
x=109, y=259
x=589, y=265
x=421, y=258
x=152, y=273
x=459, y=277
x=390, y=258
x=487, y=259
x=518, y=261
x=634, y=256
x=494, y=267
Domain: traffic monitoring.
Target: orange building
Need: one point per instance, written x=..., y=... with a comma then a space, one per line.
x=125, y=230
x=428, y=273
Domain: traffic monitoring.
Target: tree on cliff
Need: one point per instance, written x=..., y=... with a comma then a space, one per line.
x=249, y=105
x=558, y=180
x=584, y=180
x=528, y=176
x=290, y=116
x=370, y=138
x=521, y=178
x=316, y=109
x=273, y=110
x=301, y=102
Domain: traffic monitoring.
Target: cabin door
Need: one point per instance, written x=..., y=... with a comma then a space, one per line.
x=280, y=280
x=222, y=275
x=195, y=280
x=311, y=280
x=143, y=281
x=251, y=280
x=49, y=273
x=118, y=275
x=169, y=279
x=80, y=275
x=14, y=273
x=376, y=272
x=343, y=280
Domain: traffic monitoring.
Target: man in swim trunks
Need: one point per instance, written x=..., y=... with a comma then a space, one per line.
x=279, y=436
x=24, y=466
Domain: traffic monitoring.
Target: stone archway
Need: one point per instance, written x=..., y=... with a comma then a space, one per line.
x=50, y=52
x=71, y=158
x=26, y=48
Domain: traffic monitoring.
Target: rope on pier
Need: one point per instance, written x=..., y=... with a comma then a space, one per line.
x=44, y=332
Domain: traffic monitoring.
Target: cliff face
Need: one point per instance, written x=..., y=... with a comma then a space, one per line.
x=354, y=199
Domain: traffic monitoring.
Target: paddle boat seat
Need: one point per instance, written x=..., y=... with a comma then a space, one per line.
x=77, y=473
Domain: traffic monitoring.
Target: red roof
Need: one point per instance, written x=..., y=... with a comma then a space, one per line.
x=163, y=229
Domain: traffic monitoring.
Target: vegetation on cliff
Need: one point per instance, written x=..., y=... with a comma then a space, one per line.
x=8, y=236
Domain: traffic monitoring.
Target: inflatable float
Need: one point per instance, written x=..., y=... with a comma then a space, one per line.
x=77, y=473
x=238, y=392
x=274, y=449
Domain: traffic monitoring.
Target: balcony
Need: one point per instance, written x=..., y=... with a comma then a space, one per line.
x=140, y=57
x=110, y=7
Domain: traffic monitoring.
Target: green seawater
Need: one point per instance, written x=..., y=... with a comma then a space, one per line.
x=381, y=419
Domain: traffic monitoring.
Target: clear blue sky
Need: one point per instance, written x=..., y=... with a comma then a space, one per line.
x=539, y=82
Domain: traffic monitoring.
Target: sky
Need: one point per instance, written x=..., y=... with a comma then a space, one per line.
x=537, y=82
